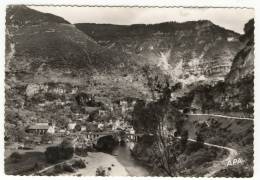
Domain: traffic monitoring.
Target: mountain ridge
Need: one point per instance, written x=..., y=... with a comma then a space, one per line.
x=199, y=42
x=48, y=45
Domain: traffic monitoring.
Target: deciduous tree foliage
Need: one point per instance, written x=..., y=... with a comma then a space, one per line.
x=153, y=118
x=64, y=151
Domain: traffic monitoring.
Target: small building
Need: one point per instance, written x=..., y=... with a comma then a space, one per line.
x=100, y=126
x=40, y=128
x=101, y=112
x=72, y=125
x=83, y=128
x=62, y=131
x=51, y=129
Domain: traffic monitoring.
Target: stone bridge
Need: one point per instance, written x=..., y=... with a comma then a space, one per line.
x=94, y=136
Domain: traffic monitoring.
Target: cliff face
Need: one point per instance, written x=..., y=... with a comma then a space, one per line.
x=190, y=51
x=243, y=63
x=236, y=93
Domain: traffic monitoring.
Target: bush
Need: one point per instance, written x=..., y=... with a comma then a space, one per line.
x=68, y=168
x=101, y=171
x=78, y=127
x=83, y=152
x=200, y=140
x=58, y=169
x=79, y=164
x=184, y=139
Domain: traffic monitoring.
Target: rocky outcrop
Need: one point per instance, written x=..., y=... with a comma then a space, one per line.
x=243, y=63
x=189, y=51
x=236, y=93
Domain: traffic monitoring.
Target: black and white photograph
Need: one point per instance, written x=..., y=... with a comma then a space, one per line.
x=129, y=91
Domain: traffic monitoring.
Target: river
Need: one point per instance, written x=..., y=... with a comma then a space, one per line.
x=132, y=165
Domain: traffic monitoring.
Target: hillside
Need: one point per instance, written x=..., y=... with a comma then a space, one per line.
x=189, y=51
x=49, y=63
x=20, y=15
x=46, y=46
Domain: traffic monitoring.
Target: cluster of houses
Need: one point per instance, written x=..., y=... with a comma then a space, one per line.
x=33, y=89
x=42, y=128
x=102, y=122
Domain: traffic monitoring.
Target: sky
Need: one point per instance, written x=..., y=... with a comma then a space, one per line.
x=233, y=19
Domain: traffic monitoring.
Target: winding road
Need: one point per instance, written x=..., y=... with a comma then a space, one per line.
x=219, y=165
x=223, y=116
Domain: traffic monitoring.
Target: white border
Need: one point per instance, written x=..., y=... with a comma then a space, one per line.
x=212, y=3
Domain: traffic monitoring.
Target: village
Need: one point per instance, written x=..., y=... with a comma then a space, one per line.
x=38, y=131
x=86, y=132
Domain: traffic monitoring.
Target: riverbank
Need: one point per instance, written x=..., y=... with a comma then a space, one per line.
x=133, y=166
x=95, y=160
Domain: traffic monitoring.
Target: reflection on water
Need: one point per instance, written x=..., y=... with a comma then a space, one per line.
x=133, y=166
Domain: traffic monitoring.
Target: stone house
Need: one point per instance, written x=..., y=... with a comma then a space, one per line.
x=41, y=128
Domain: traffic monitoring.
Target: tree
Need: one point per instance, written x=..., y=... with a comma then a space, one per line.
x=159, y=112
x=52, y=154
x=184, y=139
x=19, y=135
x=66, y=149
x=200, y=140
x=78, y=127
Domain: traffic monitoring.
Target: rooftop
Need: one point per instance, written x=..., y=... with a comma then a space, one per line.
x=39, y=127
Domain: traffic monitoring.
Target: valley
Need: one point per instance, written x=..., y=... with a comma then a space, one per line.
x=166, y=99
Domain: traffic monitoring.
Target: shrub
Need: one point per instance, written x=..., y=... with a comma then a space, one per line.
x=101, y=171
x=77, y=127
x=83, y=152
x=68, y=168
x=184, y=139
x=200, y=140
x=79, y=164
x=58, y=169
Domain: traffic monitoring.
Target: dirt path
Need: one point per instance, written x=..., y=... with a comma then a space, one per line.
x=218, y=115
x=47, y=168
